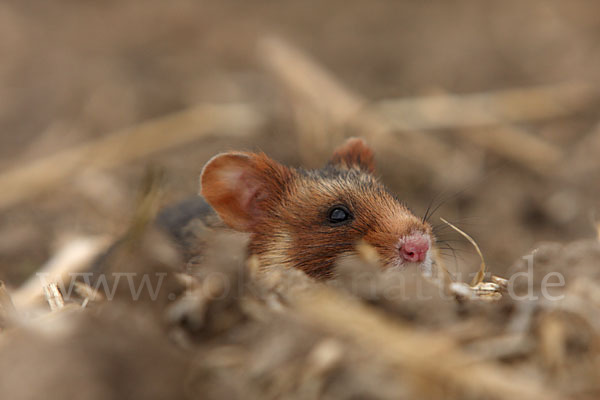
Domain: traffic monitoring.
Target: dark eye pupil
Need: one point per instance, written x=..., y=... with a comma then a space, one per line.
x=338, y=214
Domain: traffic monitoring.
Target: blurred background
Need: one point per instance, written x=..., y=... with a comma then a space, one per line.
x=487, y=108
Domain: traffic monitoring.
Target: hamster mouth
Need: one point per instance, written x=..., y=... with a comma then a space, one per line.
x=426, y=266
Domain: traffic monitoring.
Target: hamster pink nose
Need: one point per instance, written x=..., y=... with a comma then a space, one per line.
x=414, y=248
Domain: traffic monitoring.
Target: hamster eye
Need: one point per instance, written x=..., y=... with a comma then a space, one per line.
x=338, y=214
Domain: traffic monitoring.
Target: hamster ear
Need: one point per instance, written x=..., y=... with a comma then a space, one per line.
x=238, y=186
x=354, y=153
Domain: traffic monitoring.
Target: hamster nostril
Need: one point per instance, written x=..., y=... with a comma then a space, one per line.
x=414, y=248
x=412, y=256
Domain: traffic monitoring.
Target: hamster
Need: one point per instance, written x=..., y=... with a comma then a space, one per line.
x=308, y=219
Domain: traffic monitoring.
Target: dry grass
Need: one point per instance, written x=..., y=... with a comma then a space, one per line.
x=251, y=333
x=124, y=146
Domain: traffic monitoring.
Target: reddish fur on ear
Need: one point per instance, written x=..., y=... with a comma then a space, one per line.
x=238, y=185
x=354, y=153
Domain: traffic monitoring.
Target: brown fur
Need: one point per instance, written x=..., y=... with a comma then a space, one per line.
x=354, y=153
x=285, y=209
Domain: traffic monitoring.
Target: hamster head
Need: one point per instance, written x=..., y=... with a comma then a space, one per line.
x=308, y=219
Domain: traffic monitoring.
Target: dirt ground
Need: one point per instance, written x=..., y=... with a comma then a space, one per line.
x=74, y=73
